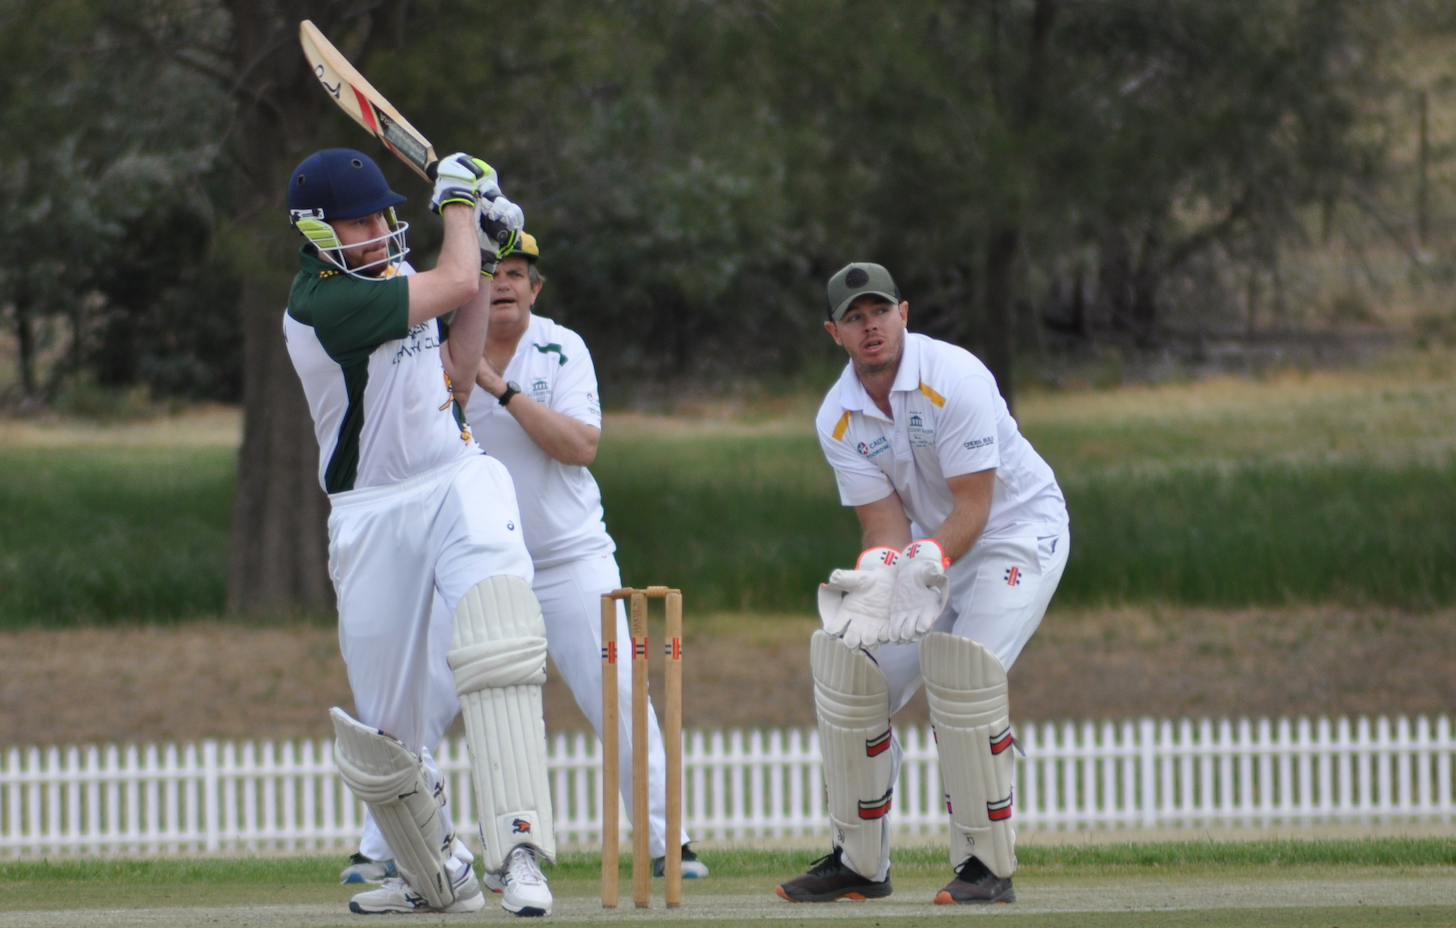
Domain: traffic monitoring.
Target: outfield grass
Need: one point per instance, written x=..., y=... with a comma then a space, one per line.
x=575, y=867
x=1310, y=488
x=1204, y=884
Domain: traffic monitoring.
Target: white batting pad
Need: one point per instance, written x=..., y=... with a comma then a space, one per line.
x=498, y=653
x=853, y=703
x=390, y=778
x=966, y=688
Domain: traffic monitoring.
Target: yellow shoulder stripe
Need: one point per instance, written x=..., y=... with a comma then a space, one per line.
x=935, y=398
x=842, y=426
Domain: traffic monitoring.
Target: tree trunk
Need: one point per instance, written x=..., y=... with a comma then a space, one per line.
x=1000, y=350
x=278, y=560
x=25, y=343
x=278, y=551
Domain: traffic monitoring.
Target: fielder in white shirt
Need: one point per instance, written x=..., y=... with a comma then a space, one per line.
x=536, y=409
x=966, y=537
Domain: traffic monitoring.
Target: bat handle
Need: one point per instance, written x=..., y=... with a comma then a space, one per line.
x=432, y=169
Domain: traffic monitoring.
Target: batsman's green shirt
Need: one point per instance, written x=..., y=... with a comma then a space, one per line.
x=381, y=402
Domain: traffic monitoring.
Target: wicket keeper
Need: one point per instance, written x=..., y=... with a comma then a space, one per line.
x=965, y=538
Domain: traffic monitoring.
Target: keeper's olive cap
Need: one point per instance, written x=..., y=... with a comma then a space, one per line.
x=859, y=279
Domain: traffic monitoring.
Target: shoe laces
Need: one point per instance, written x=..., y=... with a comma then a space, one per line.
x=521, y=868
x=829, y=863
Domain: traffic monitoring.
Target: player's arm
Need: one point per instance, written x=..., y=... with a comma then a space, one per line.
x=567, y=440
x=885, y=523
x=455, y=279
x=972, y=495
x=461, y=352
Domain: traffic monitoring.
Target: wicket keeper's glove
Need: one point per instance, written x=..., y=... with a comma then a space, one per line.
x=855, y=604
x=921, y=590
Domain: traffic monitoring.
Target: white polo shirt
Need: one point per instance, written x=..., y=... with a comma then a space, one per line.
x=561, y=506
x=949, y=419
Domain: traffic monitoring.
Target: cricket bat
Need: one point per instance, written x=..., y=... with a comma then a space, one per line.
x=368, y=107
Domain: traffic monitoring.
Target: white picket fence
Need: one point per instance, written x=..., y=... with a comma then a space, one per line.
x=287, y=796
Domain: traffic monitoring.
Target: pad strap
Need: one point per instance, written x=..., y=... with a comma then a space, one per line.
x=506, y=662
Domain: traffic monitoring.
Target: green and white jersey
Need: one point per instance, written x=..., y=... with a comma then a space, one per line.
x=377, y=389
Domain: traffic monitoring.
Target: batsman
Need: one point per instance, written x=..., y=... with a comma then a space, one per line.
x=965, y=538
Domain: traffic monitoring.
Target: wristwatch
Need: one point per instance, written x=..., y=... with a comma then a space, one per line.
x=512, y=388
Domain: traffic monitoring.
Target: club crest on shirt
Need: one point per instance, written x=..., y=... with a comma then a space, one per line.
x=920, y=435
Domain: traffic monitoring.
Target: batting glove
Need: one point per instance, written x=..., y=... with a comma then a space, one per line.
x=501, y=222
x=855, y=604
x=456, y=178
x=921, y=590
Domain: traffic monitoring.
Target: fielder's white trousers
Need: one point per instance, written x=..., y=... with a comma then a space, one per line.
x=394, y=551
x=570, y=595
x=999, y=593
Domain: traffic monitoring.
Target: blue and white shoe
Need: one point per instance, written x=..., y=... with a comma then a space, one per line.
x=692, y=867
x=525, y=891
x=395, y=897
x=363, y=869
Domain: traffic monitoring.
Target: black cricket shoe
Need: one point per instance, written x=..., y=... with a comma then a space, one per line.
x=974, y=884
x=829, y=879
x=692, y=867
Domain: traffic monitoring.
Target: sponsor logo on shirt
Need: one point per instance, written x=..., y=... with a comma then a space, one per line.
x=975, y=443
x=920, y=436
x=593, y=404
x=874, y=448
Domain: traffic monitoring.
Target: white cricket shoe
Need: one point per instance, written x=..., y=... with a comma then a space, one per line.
x=394, y=896
x=525, y=891
x=493, y=882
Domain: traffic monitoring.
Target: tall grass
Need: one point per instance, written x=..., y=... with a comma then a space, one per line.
x=91, y=535
x=1264, y=535
x=753, y=522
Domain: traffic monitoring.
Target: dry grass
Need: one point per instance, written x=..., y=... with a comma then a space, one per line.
x=223, y=680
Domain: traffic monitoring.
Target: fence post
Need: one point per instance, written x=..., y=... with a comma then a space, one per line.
x=1148, y=779
x=210, y=798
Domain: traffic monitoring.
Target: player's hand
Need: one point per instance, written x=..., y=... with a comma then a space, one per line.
x=855, y=604
x=500, y=227
x=456, y=180
x=921, y=590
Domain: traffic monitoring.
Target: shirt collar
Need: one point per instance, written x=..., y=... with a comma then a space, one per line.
x=852, y=394
x=907, y=378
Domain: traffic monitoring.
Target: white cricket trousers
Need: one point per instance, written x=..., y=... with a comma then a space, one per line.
x=571, y=603
x=395, y=549
x=999, y=593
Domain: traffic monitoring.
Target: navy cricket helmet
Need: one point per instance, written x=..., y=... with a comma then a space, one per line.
x=344, y=183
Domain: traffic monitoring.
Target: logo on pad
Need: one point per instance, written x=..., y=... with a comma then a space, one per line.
x=520, y=827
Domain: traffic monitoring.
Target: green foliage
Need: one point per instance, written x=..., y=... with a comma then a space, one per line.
x=91, y=536
x=575, y=867
x=1264, y=535
x=745, y=523
x=752, y=522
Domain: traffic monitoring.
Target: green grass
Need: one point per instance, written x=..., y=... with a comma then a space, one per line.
x=1228, y=492
x=753, y=523
x=98, y=534
x=1111, y=878
x=1264, y=535
x=729, y=864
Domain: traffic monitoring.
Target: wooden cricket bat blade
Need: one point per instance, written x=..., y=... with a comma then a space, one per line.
x=368, y=107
